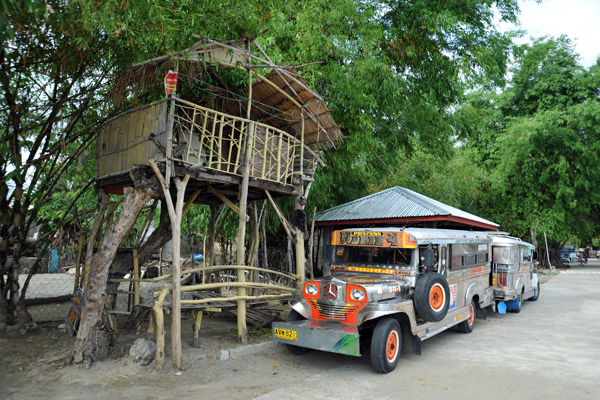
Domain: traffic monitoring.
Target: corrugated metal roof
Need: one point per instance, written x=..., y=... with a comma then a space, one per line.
x=396, y=202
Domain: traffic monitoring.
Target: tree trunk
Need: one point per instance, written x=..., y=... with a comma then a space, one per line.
x=89, y=252
x=161, y=235
x=86, y=349
x=21, y=315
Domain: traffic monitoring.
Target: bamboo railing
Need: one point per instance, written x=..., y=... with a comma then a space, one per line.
x=215, y=141
x=202, y=138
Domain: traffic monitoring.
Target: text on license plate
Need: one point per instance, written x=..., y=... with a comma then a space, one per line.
x=286, y=334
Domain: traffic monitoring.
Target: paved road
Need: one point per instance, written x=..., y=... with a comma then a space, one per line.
x=550, y=350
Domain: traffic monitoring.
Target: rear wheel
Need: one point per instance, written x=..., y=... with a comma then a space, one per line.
x=467, y=325
x=295, y=316
x=536, y=293
x=385, y=345
x=519, y=303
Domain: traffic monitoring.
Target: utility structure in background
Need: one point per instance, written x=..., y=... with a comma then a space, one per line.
x=234, y=128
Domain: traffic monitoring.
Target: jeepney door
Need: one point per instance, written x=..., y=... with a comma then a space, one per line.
x=443, y=264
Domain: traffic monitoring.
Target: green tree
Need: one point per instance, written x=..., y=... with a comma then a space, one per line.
x=538, y=140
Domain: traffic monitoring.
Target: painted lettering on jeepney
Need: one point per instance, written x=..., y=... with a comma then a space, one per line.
x=373, y=238
x=387, y=289
x=370, y=270
x=477, y=270
x=392, y=239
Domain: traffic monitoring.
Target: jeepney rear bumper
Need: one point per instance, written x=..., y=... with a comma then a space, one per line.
x=506, y=294
x=319, y=335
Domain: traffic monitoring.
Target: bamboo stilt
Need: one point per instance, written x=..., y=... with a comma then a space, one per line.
x=197, y=316
x=160, y=329
x=136, y=275
x=300, y=257
x=175, y=214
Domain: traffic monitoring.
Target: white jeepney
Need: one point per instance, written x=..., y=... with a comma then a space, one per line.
x=389, y=289
x=514, y=275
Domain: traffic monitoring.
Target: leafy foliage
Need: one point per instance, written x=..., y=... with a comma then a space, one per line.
x=538, y=140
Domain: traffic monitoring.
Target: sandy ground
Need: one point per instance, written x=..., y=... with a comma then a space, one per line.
x=28, y=366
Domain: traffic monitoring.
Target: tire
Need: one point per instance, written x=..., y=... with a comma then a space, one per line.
x=519, y=303
x=536, y=293
x=295, y=316
x=385, y=345
x=432, y=297
x=467, y=325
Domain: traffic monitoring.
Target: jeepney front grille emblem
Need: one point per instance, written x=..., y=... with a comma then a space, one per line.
x=338, y=311
x=331, y=291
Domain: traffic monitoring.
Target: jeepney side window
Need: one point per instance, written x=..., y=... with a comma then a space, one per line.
x=527, y=255
x=504, y=255
x=467, y=255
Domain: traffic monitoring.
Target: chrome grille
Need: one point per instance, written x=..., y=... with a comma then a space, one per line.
x=337, y=311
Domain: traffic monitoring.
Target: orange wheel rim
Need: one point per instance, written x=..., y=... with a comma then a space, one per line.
x=436, y=297
x=471, y=315
x=392, y=346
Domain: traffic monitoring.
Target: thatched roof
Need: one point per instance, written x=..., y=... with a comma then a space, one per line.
x=280, y=98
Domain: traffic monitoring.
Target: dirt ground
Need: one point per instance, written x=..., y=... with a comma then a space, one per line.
x=29, y=362
x=28, y=365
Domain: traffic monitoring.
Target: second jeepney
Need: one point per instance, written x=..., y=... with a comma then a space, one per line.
x=514, y=272
x=389, y=289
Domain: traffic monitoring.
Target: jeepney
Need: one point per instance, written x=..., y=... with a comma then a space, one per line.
x=388, y=290
x=514, y=275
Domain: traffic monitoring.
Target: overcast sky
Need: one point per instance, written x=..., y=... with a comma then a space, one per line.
x=578, y=19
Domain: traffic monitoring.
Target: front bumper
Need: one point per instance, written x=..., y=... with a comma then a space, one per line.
x=320, y=335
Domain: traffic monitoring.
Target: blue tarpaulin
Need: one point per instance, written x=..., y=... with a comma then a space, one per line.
x=53, y=267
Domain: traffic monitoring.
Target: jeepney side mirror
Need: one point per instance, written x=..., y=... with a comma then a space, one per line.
x=427, y=257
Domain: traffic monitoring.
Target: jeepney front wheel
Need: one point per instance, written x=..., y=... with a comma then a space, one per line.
x=385, y=345
x=295, y=316
x=432, y=297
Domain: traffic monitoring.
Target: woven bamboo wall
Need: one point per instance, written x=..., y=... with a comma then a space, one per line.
x=126, y=140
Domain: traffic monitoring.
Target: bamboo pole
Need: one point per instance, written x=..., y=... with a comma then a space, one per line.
x=300, y=257
x=217, y=285
x=241, y=237
x=236, y=298
x=225, y=200
x=160, y=329
x=311, y=244
x=136, y=275
x=175, y=214
x=286, y=225
x=197, y=317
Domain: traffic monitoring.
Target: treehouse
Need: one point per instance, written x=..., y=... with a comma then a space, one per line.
x=209, y=125
x=227, y=126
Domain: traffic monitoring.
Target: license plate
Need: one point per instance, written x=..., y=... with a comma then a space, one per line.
x=286, y=334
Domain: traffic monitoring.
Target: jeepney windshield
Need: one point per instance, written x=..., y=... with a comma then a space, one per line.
x=383, y=256
x=505, y=255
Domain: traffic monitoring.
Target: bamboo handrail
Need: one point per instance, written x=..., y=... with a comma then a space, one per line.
x=205, y=269
x=234, y=298
x=253, y=285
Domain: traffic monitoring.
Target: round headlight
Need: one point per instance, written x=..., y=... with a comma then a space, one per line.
x=312, y=289
x=357, y=294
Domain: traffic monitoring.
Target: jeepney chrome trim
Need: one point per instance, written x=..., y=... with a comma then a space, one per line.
x=299, y=308
x=335, y=311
